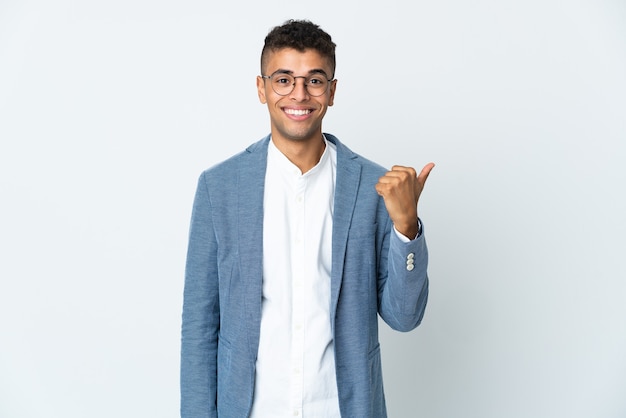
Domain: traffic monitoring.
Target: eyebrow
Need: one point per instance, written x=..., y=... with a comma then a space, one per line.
x=313, y=71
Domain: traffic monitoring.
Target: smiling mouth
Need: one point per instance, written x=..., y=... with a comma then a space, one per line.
x=298, y=112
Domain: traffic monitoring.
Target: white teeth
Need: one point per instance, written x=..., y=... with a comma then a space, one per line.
x=297, y=112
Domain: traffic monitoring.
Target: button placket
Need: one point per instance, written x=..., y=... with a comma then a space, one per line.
x=298, y=277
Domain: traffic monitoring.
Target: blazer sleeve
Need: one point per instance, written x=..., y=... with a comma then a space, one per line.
x=201, y=315
x=403, y=280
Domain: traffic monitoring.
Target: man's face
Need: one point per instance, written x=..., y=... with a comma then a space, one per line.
x=298, y=115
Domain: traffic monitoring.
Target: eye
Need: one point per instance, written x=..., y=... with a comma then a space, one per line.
x=282, y=80
x=317, y=81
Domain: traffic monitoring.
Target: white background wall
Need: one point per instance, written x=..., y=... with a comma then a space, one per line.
x=109, y=111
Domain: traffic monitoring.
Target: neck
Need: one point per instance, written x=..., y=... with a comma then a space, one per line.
x=303, y=154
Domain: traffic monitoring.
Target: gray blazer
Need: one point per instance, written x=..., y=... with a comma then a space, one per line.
x=371, y=274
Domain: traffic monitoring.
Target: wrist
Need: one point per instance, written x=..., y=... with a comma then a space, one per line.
x=409, y=230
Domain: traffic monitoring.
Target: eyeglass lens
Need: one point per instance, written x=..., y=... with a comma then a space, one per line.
x=284, y=84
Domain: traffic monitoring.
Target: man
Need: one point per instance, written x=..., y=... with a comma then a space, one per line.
x=296, y=245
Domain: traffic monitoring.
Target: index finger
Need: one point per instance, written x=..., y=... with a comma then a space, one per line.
x=409, y=170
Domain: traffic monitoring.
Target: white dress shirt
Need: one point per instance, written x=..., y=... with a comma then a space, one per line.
x=295, y=369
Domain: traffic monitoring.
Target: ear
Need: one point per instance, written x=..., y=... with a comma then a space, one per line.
x=331, y=96
x=260, y=87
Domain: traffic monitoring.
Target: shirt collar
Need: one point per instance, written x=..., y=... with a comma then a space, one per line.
x=277, y=158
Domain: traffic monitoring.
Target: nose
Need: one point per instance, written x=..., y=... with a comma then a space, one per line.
x=299, y=92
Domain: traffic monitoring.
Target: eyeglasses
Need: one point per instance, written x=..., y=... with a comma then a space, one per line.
x=283, y=83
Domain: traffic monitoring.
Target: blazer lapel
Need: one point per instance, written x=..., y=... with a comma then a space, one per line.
x=251, y=185
x=346, y=188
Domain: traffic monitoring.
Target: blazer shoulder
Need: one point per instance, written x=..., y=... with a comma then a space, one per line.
x=346, y=156
x=225, y=169
x=371, y=167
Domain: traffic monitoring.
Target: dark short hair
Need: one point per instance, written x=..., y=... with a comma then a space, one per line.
x=299, y=35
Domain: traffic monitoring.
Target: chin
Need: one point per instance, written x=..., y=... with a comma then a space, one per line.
x=302, y=136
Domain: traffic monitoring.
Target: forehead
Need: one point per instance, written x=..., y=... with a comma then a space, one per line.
x=299, y=62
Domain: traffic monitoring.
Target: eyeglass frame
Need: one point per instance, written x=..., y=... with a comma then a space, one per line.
x=295, y=77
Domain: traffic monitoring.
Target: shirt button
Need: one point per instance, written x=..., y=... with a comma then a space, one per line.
x=410, y=267
x=411, y=256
